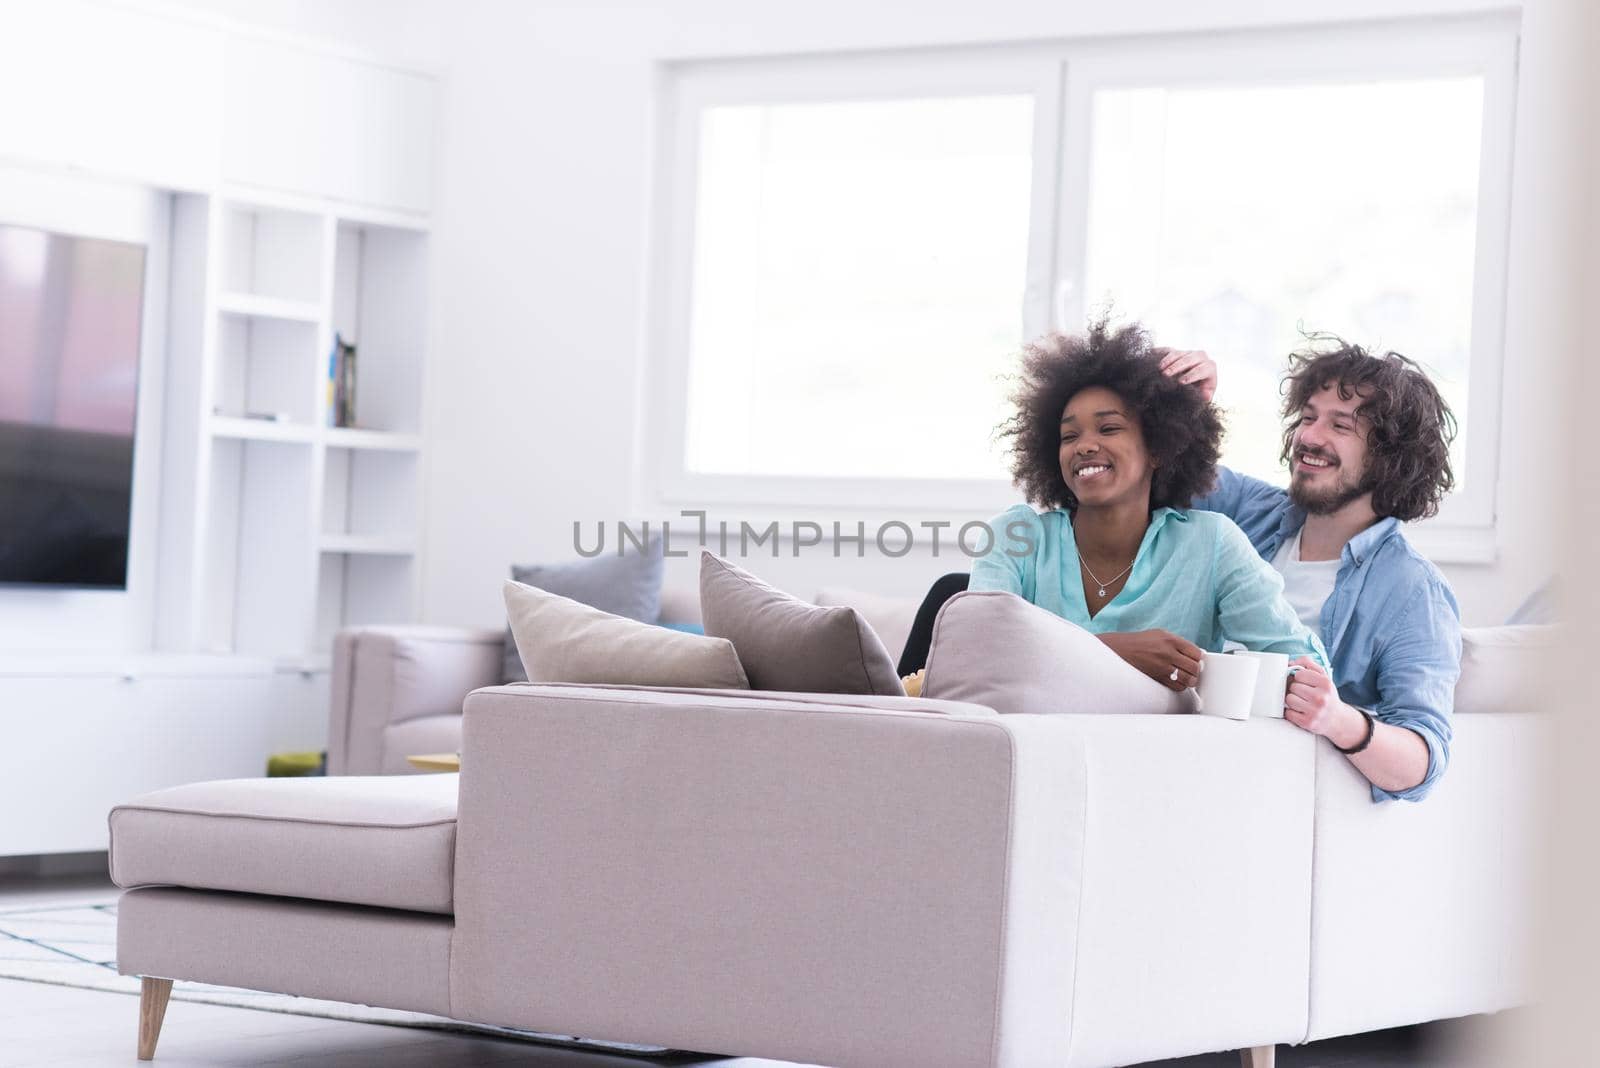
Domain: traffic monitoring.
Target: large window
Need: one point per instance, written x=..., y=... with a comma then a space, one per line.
x=854, y=250
x=857, y=276
x=1213, y=217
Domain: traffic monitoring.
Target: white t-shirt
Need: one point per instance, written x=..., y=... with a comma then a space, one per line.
x=1306, y=583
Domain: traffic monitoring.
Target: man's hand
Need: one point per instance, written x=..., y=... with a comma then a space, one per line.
x=1159, y=653
x=1312, y=703
x=1194, y=368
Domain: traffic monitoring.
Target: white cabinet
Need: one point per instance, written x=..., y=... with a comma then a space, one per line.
x=184, y=105
x=305, y=122
x=112, y=91
x=82, y=744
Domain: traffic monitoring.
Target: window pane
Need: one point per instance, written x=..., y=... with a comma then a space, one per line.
x=1228, y=219
x=858, y=281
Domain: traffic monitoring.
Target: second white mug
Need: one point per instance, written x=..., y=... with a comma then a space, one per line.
x=1272, y=682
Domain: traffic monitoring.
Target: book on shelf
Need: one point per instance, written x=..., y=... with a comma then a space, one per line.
x=342, y=383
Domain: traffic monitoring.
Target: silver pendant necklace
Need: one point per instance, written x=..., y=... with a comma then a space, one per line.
x=1108, y=582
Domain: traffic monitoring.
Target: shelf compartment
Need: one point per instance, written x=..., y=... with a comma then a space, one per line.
x=370, y=495
x=272, y=253
x=379, y=302
x=358, y=589
x=260, y=559
x=267, y=365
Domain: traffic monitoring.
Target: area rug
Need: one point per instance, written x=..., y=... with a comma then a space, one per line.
x=76, y=945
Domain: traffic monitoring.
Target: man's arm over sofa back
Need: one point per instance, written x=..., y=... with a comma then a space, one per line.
x=388, y=675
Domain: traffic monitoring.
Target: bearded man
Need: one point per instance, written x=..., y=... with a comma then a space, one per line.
x=1367, y=440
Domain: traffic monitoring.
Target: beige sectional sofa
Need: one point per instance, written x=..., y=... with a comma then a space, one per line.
x=836, y=880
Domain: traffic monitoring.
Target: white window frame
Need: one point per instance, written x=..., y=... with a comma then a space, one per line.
x=1487, y=47
x=1062, y=78
x=692, y=89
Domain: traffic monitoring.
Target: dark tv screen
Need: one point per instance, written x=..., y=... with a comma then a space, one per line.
x=70, y=310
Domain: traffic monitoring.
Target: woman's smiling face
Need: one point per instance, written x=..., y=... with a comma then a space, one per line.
x=1103, y=455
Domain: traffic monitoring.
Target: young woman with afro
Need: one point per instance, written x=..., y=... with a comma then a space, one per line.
x=1110, y=452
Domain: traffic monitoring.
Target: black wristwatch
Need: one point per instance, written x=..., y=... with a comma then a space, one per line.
x=1372, y=728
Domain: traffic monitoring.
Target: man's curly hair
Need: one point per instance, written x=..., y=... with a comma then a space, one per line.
x=1182, y=432
x=1410, y=425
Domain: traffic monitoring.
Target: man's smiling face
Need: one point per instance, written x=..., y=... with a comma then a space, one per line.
x=1328, y=458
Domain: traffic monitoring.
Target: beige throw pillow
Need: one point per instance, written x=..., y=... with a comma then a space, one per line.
x=561, y=640
x=785, y=643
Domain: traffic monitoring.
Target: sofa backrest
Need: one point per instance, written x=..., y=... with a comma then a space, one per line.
x=1496, y=662
x=1501, y=667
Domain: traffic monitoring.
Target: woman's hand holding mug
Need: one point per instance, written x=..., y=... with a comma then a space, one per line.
x=1172, y=661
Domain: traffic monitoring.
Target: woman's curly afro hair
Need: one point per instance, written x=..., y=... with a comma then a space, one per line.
x=1409, y=425
x=1182, y=432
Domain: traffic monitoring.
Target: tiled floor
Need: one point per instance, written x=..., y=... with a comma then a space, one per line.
x=64, y=1027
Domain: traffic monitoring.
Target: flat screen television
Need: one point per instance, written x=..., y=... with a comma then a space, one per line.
x=70, y=311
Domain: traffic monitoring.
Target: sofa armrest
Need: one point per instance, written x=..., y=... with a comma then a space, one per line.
x=387, y=675
x=845, y=885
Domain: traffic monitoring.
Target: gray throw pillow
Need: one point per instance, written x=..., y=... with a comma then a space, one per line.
x=561, y=640
x=785, y=643
x=628, y=585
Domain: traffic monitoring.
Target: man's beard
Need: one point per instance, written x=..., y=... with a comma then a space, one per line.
x=1330, y=500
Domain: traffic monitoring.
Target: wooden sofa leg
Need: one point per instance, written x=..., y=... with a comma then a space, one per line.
x=153, y=995
x=1258, y=1057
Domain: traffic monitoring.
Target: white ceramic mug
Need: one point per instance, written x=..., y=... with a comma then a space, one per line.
x=1272, y=682
x=1227, y=685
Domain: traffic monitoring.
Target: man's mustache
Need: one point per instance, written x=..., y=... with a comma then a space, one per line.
x=1317, y=454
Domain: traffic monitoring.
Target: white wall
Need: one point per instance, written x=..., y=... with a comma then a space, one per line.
x=391, y=31
x=542, y=228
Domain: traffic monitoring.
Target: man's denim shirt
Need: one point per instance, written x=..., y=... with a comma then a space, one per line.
x=1391, y=624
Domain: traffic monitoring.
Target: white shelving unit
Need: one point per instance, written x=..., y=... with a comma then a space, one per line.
x=280, y=160
x=299, y=527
